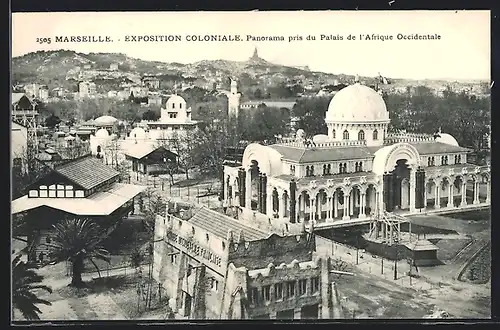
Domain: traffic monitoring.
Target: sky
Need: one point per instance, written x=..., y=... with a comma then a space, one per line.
x=462, y=53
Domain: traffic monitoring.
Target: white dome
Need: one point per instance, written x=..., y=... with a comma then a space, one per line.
x=447, y=139
x=357, y=103
x=138, y=133
x=102, y=134
x=320, y=138
x=176, y=99
x=105, y=120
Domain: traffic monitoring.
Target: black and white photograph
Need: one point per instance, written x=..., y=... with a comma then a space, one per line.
x=288, y=165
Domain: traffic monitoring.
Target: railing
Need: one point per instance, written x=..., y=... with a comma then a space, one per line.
x=408, y=137
x=330, y=144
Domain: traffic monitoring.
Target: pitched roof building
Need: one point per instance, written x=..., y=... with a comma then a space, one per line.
x=82, y=187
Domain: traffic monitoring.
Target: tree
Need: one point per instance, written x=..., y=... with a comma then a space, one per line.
x=25, y=281
x=52, y=121
x=184, y=146
x=311, y=113
x=77, y=240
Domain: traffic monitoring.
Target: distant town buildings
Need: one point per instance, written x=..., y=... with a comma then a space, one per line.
x=86, y=89
x=37, y=91
x=151, y=82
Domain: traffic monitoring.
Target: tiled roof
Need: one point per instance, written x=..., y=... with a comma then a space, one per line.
x=87, y=172
x=16, y=97
x=219, y=225
x=310, y=155
x=429, y=148
x=101, y=203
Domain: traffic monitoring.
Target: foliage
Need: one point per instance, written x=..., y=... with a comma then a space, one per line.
x=422, y=111
x=77, y=240
x=52, y=121
x=265, y=123
x=25, y=282
x=311, y=113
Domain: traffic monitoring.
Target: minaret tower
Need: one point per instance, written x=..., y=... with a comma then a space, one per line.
x=233, y=100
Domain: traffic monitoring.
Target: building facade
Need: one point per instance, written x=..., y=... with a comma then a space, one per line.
x=357, y=170
x=175, y=119
x=214, y=267
x=78, y=188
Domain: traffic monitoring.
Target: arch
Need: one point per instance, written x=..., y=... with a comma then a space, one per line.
x=345, y=135
x=99, y=149
x=375, y=135
x=361, y=135
x=269, y=160
x=333, y=133
x=386, y=158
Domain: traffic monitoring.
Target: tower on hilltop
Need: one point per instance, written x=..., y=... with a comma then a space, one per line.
x=255, y=55
x=233, y=100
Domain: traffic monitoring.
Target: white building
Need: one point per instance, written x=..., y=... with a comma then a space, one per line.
x=86, y=89
x=175, y=117
x=357, y=170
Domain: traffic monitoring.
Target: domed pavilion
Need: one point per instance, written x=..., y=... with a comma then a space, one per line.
x=356, y=171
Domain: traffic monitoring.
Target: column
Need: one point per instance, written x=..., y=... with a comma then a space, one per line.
x=450, y=195
x=329, y=209
x=425, y=195
x=476, y=192
x=248, y=187
x=312, y=211
x=281, y=206
x=362, y=204
x=464, y=194
x=346, y=206
x=297, y=211
x=488, y=192
x=335, y=205
x=437, y=198
x=351, y=202
x=413, y=187
x=269, y=204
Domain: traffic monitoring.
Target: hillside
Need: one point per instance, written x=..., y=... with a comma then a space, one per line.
x=64, y=68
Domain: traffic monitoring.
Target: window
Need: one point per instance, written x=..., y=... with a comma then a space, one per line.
x=290, y=289
x=324, y=169
x=446, y=160
x=312, y=170
x=278, y=291
x=340, y=168
x=254, y=296
x=172, y=115
x=361, y=135
x=329, y=169
x=189, y=269
x=302, y=287
x=207, y=237
x=266, y=292
x=333, y=134
x=173, y=105
x=173, y=258
x=193, y=231
x=375, y=135
x=459, y=159
x=99, y=149
x=346, y=135
x=314, y=284
x=215, y=285
x=307, y=171
x=292, y=169
x=180, y=105
x=48, y=240
x=360, y=167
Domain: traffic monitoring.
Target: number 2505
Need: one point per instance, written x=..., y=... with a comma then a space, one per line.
x=43, y=40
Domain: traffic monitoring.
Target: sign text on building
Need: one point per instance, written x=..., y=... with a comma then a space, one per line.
x=194, y=248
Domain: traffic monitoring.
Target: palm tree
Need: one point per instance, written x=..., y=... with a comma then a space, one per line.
x=24, y=281
x=77, y=240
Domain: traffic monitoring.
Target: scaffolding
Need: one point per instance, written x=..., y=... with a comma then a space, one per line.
x=27, y=118
x=386, y=226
